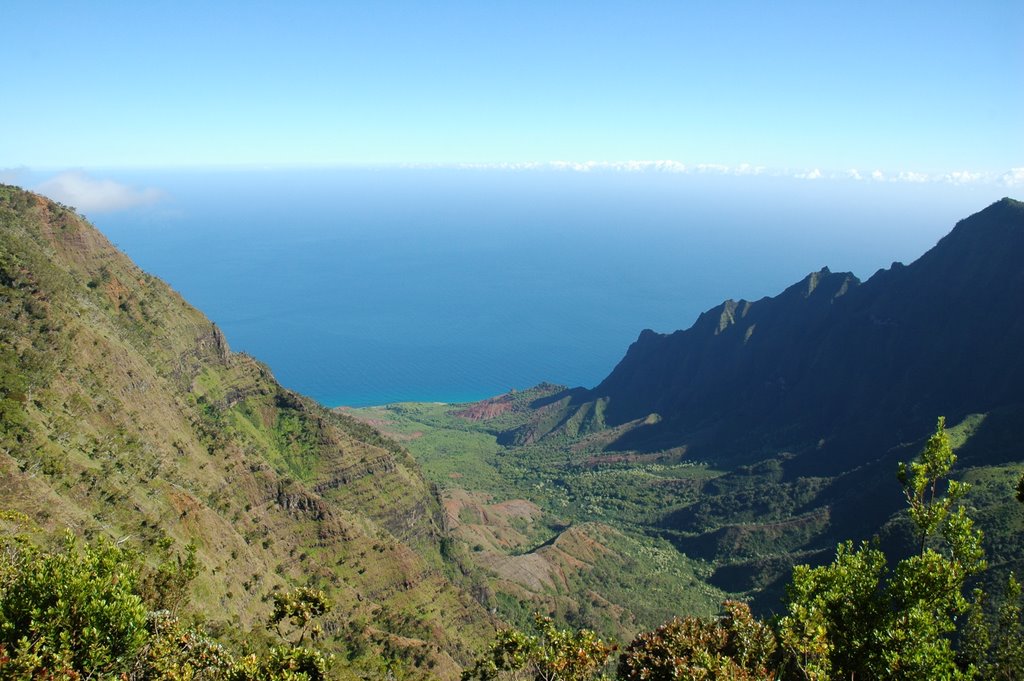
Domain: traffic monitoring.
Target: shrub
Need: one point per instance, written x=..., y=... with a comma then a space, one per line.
x=72, y=609
x=735, y=647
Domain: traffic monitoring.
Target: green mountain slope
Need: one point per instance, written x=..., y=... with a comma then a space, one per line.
x=811, y=398
x=124, y=413
x=770, y=430
x=556, y=526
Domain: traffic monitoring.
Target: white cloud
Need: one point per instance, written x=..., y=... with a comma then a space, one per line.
x=713, y=168
x=93, y=195
x=663, y=166
x=909, y=176
x=573, y=165
x=479, y=166
x=1011, y=178
x=1014, y=177
x=658, y=166
x=964, y=177
x=748, y=169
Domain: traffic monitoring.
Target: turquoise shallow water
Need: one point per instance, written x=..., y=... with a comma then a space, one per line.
x=363, y=287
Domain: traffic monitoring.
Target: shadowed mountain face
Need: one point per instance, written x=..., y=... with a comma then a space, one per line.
x=123, y=413
x=806, y=402
x=752, y=441
x=836, y=365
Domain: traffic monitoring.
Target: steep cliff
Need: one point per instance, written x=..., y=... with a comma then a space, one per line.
x=124, y=413
x=835, y=362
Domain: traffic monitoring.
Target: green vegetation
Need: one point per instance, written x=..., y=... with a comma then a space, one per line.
x=995, y=646
x=124, y=415
x=551, y=653
x=736, y=647
x=798, y=406
x=556, y=525
x=69, y=612
x=727, y=534
x=855, y=617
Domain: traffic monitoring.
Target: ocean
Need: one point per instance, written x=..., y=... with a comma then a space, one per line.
x=368, y=286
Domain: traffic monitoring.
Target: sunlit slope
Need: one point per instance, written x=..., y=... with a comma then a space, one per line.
x=124, y=413
x=556, y=527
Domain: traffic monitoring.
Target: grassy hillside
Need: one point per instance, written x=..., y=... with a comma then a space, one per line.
x=123, y=413
x=621, y=542
x=557, y=526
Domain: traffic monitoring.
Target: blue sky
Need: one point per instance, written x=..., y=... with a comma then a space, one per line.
x=929, y=88
x=780, y=136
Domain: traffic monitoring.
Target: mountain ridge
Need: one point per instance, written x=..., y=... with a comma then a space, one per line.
x=770, y=430
x=123, y=413
x=780, y=356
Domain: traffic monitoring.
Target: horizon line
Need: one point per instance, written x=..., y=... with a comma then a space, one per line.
x=1010, y=177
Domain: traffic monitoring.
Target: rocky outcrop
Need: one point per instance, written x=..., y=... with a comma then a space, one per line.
x=349, y=474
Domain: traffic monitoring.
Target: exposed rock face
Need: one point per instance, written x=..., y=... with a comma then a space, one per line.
x=296, y=501
x=349, y=474
x=488, y=409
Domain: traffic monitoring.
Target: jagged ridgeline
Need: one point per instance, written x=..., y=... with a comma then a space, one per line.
x=756, y=439
x=123, y=413
x=855, y=366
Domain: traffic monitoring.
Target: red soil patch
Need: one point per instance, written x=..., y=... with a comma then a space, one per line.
x=487, y=409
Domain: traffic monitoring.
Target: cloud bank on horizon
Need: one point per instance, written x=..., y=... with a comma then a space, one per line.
x=94, y=195
x=1012, y=177
x=91, y=194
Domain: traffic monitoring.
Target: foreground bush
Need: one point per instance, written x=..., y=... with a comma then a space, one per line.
x=736, y=647
x=74, y=609
x=82, y=611
x=551, y=654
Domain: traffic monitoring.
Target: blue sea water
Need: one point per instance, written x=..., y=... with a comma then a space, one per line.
x=369, y=286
